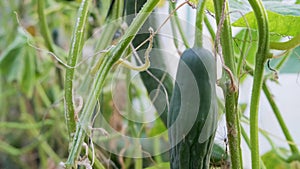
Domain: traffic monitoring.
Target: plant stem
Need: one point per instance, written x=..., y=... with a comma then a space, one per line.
x=293, y=43
x=243, y=52
x=281, y=122
x=112, y=23
x=247, y=140
x=97, y=164
x=179, y=27
x=112, y=56
x=283, y=60
x=199, y=27
x=232, y=117
x=43, y=25
x=274, y=107
x=173, y=25
x=209, y=27
x=261, y=56
x=75, y=49
x=46, y=35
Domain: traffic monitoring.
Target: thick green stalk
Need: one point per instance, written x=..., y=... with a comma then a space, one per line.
x=275, y=109
x=247, y=140
x=75, y=49
x=281, y=122
x=112, y=56
x=261, y=56
x=226, y=35
x=199, y=26
x=232, y=118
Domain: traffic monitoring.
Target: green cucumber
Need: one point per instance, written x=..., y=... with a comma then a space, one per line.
x=192, y=119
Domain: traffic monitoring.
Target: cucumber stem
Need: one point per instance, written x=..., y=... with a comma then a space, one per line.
x=177, y=22
x=243, y=52
x=261, y=57
x=76, y=47
x=199, y=25
x=43, y=25
x=209, y=27
x=293, y=43
x=113, y=55
x=279, y=118
x=231, y=96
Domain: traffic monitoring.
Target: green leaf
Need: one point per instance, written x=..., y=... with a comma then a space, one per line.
x=285, y=25
x=243, y=6
x=158, y=128
x=234, y=5
x=291, y=65
x=17, y=63
x=272, y=160
x=11, y=64
x=251, y=45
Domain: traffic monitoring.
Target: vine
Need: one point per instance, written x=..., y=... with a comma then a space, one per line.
x=260, y=59
x=110, y=58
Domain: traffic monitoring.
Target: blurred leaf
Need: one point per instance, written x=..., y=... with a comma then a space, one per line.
x=161, y=3
x=282, y=7
x=292, y=65
x=158, y=128
x=286, y=25
x=251, y=45
x=272, y=160
x=278, y=6
x=295, y=165
x=194, y=2
x=11, y=64
x=164, y=165
x=17, y=63
x=29, y=71
x=235, y=5
x=243, y=107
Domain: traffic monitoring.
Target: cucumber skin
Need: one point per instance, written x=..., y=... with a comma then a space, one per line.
x=189, y=153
